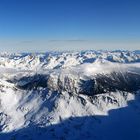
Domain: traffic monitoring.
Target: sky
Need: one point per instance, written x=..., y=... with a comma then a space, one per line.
x=45, y=25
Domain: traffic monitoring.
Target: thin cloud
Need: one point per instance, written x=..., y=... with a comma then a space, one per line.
x=77, y=40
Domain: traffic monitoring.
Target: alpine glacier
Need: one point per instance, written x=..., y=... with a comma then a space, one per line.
x=88, y=95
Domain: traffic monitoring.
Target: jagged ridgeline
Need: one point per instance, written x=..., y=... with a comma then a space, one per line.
x=101, y=83
x=62, y=95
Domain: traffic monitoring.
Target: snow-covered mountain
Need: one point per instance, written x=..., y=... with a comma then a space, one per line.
x=70, y=95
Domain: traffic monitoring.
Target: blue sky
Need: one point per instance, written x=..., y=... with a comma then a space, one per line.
x=41, y=25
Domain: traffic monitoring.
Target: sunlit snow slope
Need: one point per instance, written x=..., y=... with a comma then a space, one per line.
x=89, y=95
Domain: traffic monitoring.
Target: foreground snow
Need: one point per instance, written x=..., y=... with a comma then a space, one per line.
x=69, y=96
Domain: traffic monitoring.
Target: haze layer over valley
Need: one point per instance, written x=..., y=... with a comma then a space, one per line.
x=70, y=95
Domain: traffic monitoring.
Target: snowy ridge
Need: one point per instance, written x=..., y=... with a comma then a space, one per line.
x=64, y=59
x=78, y=95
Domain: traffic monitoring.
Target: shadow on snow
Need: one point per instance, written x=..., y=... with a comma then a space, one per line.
x=119, y=124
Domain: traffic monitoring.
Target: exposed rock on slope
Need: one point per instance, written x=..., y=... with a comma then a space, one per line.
x=86, y=95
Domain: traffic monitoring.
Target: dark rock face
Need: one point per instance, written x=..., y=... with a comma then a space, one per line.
x=32, y=82
x=129, y=82
x=102, y=83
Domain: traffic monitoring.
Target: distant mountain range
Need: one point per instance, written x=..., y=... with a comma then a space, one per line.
x=88, y=95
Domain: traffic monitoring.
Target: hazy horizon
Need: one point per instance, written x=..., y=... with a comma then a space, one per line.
x=66, y=45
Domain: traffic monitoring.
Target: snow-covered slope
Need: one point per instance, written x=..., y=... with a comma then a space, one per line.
x=70, y=95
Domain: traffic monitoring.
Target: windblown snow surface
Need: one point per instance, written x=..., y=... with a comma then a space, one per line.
x=89, y=95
